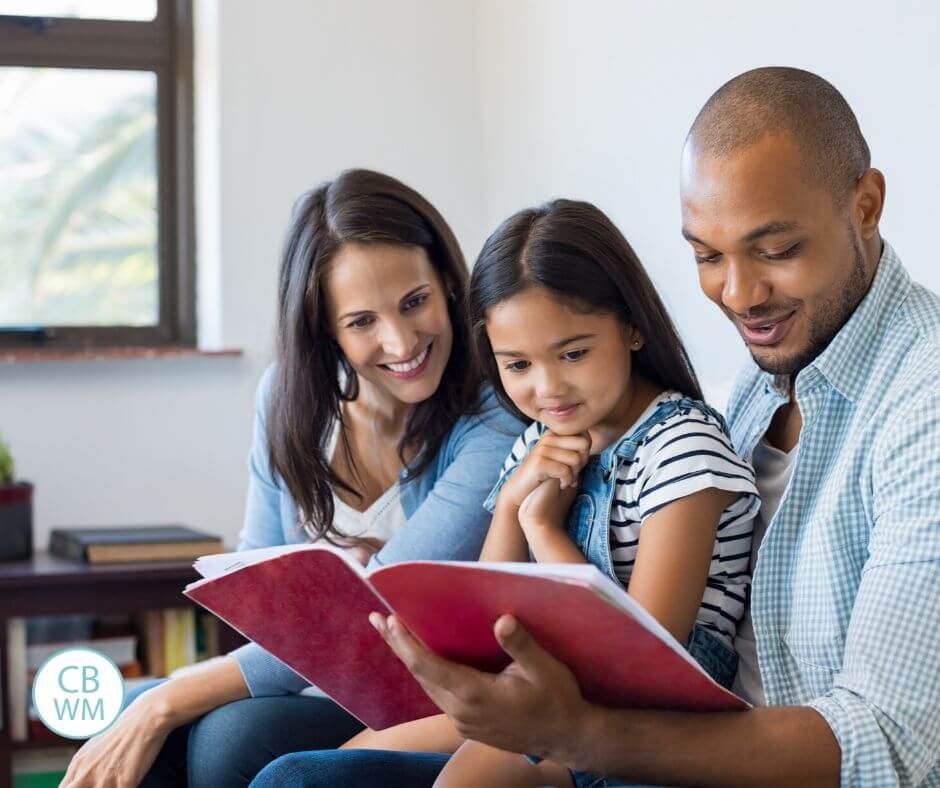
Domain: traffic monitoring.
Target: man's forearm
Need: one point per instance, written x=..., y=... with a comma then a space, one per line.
x=782, y=746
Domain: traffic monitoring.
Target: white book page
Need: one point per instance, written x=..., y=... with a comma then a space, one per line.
x=213, y=566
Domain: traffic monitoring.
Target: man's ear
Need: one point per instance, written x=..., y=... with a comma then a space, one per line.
x=869, y=201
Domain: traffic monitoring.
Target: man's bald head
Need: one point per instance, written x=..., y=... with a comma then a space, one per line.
x=799, y=104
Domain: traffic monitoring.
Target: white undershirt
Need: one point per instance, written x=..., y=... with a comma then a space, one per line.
x=381, y=520
x=772, y=468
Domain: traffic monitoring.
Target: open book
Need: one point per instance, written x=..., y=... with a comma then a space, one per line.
x=309, y=605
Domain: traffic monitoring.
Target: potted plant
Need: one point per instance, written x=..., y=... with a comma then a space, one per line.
x=16, y=511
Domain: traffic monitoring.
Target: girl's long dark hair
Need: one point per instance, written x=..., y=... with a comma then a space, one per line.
x=312, y=376
x=574, y=251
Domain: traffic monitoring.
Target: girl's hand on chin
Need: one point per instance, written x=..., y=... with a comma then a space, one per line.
x=557, y=457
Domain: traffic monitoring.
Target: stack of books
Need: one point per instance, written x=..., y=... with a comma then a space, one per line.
x=139, y=543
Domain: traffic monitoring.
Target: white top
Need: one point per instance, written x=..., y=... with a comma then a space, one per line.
x=773, y=469
x=381, y=520
x=683, y=454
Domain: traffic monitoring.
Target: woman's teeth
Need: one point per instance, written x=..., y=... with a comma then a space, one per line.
x=407, y=366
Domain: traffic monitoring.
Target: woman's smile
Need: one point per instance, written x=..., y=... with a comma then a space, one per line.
x=411, y=368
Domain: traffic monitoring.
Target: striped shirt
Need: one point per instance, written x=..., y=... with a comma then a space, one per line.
x=682, y=455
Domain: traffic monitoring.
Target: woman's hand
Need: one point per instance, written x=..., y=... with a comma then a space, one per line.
x=121, y=756
x=559, y=457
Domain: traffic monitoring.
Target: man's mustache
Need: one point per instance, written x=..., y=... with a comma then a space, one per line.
x=763, y=311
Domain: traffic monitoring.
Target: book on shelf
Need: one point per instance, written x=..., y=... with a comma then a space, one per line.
x=139, y=543
x=161, y=641
x=151, y=627
x=179, y=638
x=300, y=602
x=120, y=650
x=17, y=685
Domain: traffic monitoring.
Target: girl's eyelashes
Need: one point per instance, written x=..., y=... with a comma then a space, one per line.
x=574, y=355
x=569, y=355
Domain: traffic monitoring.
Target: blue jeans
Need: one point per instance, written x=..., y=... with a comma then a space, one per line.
x=370, y=769
x=353, y=768
x=229, y=745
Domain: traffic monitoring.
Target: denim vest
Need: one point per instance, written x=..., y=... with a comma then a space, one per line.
x=589, y=522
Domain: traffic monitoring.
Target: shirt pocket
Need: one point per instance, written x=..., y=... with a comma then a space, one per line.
x=822, y=594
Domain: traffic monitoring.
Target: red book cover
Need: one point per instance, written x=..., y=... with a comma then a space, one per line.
x=310, y=608
x=309, y=605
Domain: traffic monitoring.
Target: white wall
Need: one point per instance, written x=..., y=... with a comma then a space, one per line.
x=486, y=106
x=592, y=99
x=304, y=89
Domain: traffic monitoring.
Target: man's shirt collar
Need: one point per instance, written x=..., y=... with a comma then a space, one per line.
x=846, y=362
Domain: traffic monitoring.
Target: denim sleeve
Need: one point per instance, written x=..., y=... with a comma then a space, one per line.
x=884, y=707
x=514, y=459
x=263, y=673
x=451, y=523
x=262, y=523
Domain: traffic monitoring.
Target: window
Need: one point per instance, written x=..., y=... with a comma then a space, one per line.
x=96, y=184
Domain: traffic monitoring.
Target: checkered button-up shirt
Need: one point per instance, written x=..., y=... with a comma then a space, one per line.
x=846, y=588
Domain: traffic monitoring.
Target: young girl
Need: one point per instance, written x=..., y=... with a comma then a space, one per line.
x=623, y=466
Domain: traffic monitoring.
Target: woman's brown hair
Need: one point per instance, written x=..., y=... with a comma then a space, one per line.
x=312, y=377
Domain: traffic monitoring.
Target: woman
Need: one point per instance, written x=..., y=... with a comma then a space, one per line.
x=371, y=431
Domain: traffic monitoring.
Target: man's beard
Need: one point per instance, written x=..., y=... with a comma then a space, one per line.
x=833, y=314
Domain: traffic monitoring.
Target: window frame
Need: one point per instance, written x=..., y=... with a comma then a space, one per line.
x=164, y=46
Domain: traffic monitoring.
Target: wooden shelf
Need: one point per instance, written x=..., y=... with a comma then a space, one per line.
x=47, y=585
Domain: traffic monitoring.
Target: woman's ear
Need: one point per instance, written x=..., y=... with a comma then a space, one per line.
x=449, y=288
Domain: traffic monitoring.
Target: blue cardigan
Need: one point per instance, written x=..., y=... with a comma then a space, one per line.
x=444, y=507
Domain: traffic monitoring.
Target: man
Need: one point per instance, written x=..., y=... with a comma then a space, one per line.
x=840, y=412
